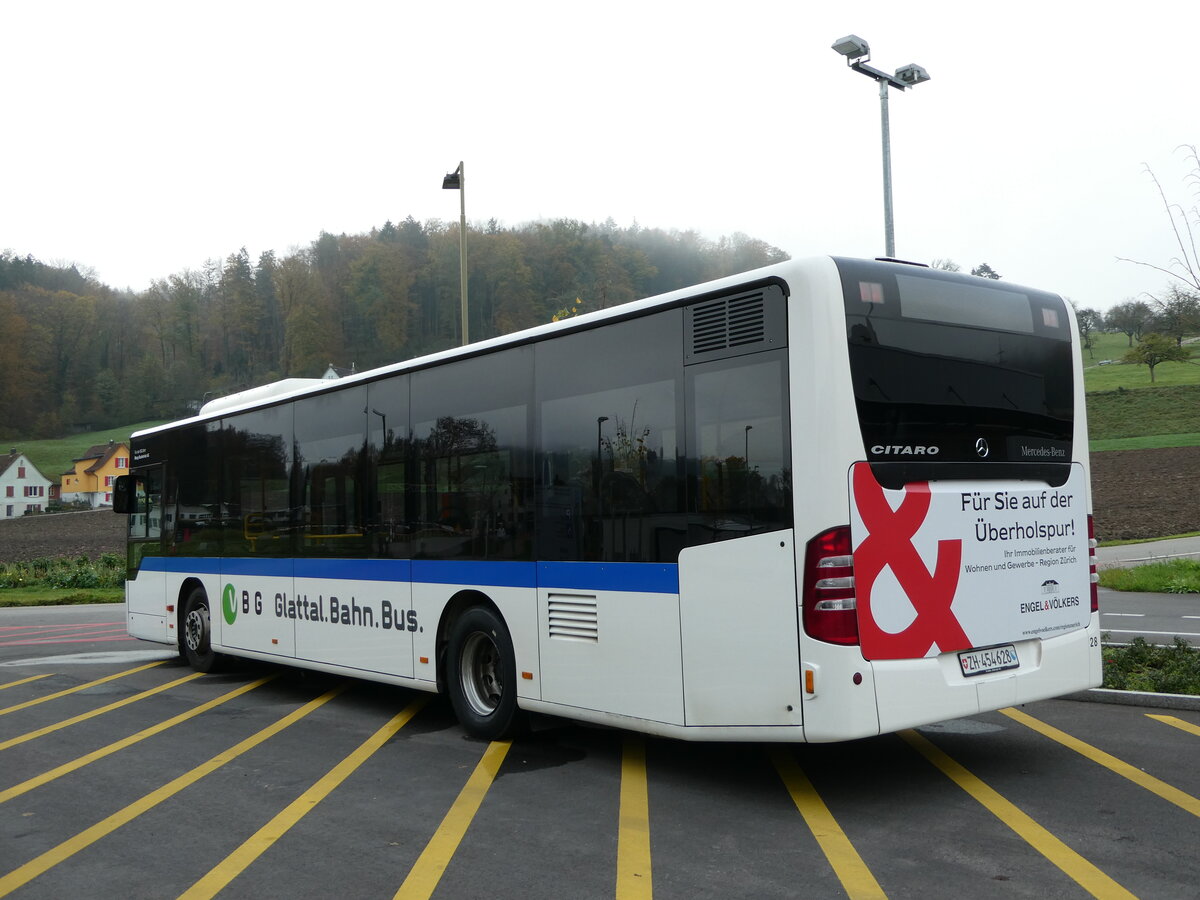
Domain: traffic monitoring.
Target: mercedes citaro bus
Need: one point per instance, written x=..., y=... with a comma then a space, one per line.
x=820, y=500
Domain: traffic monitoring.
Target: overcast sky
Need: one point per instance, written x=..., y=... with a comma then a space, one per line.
x=142, y=139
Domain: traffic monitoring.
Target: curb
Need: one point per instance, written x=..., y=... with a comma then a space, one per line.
x=1137, y=698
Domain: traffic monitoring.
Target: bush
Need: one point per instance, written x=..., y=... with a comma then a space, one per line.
x=1141, y=666
x=64, y=572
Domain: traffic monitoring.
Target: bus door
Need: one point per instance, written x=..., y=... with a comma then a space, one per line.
x=140, y=495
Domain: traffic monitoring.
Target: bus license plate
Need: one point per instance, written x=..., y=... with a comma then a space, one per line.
x=988, y=659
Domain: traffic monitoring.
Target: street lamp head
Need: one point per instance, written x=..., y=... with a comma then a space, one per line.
x=912, y=74
x=453, y=180
x=852, y=47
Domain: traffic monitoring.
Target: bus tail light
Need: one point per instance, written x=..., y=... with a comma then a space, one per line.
x=1095, y=578
x=830, y=610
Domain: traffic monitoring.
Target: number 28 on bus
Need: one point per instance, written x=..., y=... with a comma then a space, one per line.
x=825, y=499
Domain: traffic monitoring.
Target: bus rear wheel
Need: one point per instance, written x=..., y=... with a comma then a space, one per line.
x=481, y=675
x=197, y=633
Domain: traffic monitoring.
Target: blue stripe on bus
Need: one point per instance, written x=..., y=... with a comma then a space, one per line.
x=269, y=568
x=356, y=569
x=499, y=574
x=184, y=565
x=652, y=578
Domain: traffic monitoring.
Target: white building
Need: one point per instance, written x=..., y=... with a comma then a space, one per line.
x=22, y=487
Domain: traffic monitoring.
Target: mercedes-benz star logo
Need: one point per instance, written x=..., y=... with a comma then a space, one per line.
x=981, y=447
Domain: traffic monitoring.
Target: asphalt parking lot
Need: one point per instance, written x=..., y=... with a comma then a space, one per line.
x=124, y=774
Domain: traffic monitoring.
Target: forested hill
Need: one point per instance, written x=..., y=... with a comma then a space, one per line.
x=74, y=352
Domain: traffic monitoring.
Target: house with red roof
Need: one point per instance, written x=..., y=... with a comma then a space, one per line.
x=91, y=476
x=23, y=489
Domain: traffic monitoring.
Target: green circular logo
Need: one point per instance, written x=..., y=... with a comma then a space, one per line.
x=229, y=604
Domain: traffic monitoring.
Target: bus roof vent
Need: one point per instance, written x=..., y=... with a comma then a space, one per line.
x=731, y=326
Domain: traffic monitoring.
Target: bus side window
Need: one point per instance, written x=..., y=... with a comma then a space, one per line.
x=738, y=447
x=144, y=503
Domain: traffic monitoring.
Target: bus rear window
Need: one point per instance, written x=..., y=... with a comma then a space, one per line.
x=951, y=375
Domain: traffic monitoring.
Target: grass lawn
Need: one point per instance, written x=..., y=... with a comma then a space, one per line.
x=48, y=596
x=1175, y=576
x=1146, y=442
x=1164, y=410
x=1132, y=377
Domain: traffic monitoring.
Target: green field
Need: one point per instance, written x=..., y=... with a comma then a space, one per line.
x=1119, y=375
x=54, y=455
x=1169, y=410
x=1127, y=412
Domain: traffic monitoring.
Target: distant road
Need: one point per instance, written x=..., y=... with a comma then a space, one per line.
x=1152, y=551
x=1158, y=618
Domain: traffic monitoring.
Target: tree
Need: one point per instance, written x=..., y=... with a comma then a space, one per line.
x=1177, y=315
x=1130, y=318
x=1089, y=321
x=983, y=270
x=1154, y=349
x=945, y=265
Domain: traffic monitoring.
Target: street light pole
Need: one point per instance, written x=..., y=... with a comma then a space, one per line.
x=889, y=225
x=857, y=53
x=457, y=181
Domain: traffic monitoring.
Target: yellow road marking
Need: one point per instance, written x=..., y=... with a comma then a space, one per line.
x=1125, y=770
x=83, y=717
x=1177, y=723
x=634, y=880
x=849, y=867
x=73, y=765
x=423, y=879
x=258, y=844
x=52, y=857
x=24, y=680
x=82, y=687
x=1082, y=872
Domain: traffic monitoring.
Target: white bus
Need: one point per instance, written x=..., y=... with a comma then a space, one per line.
x=821, y=500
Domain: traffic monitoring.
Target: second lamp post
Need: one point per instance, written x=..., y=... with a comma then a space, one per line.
x=858, y=53
x=457, y=181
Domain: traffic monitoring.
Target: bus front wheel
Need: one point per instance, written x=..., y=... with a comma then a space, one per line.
x=197, y=633
x=481, y=675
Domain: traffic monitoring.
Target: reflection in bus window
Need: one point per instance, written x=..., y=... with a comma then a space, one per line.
x=609, y=470
x=470, y=481
x=739, y=448
x=258, y=518
x=330, y=435
x=468, y=503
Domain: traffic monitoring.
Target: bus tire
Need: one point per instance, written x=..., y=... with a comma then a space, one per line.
x=481, y=675
x=196, y=636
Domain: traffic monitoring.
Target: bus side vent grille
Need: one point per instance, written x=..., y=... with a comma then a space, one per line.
x=732, y=326
x=573, y=617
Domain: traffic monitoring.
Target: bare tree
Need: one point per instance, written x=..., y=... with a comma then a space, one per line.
x=1089, y=321
x=1177, y=314
x=1130, y=318
x=1186, y=266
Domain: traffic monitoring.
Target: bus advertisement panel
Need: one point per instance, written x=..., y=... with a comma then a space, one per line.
x=948, y=566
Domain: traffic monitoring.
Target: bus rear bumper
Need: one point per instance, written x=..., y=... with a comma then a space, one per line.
x=917, y=692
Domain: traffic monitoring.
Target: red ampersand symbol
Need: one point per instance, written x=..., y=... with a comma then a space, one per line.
x=889, y=545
